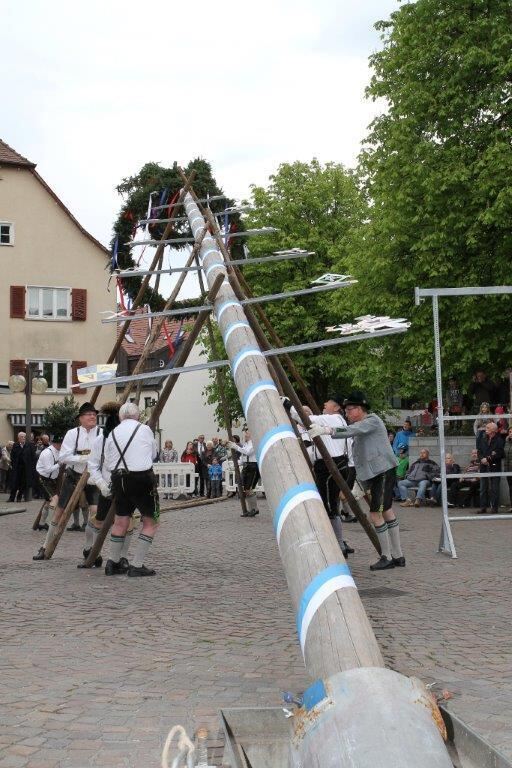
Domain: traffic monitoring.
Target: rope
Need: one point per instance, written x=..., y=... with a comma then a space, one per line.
x=185, y=748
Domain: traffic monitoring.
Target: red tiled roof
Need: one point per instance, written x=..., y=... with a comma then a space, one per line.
x=8, y=156
x=139, y=331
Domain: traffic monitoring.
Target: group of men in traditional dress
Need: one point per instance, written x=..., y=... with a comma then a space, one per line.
x=119, y=459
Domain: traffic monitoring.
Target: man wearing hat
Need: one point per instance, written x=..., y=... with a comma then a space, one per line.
x=47, y=469
x=375, y=465
x=341, y=453
x=74, y=452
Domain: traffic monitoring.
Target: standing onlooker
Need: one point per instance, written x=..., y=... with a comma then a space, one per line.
x=219, y=449
x=485, y=418
x=507, y=464
x=18, y=475
x=402, y=437
x=190, y=455
x=206, y=460
x=454, y=403
x=202, y=467
x=482, y=389
x=168, y=454
x=490, y=451
x=215, y=477
x=5, y=467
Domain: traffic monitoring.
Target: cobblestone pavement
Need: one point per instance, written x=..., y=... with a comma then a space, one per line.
x=95, y=671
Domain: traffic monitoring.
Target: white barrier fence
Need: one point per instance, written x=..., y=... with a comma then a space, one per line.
x=229, y=484
x=175, y=479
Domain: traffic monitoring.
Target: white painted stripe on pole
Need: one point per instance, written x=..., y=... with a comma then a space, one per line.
x=209, y=269
x=196, y=218
x=226, y=305
x=234, y=327
x=242, y=355
x=255, y=389
x=323, y=586
x=290, y=501
x=210, y=250
x=270, y=438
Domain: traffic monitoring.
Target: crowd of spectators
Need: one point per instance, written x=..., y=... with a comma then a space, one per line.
x=18, y=476
x=207, y=456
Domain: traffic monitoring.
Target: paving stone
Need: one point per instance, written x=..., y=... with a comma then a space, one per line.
x=215, y=628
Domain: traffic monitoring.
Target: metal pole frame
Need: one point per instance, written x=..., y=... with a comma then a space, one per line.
x=446, y=542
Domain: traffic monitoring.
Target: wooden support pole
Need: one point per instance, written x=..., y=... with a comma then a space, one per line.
x=138, y=299
x=157, y=325
x=35, y=524
x=288, y=389
x=66, y=514
x=181, y=358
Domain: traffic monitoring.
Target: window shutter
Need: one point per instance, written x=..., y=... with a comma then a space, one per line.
x=75, y=365
x=17, y=368
x=18, y=301
x=79, y=304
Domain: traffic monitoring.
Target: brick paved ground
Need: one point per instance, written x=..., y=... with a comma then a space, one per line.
x=94, y=671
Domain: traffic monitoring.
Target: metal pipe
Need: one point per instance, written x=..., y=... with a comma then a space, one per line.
x=246, y=233
x=266, y=353
x=255, y=300
x=196, y=268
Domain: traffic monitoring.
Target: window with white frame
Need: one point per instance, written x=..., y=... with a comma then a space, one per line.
x=56, y=373
x=48, y=303
x=6, y=233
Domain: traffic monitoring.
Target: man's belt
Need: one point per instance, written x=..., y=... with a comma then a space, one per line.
x=132, y=472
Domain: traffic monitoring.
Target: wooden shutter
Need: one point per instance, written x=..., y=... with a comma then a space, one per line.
x=79, y=304
x=75, y=365
x=18, y=301
x=17, y=367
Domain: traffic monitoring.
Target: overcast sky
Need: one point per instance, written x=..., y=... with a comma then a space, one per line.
x=93, y=90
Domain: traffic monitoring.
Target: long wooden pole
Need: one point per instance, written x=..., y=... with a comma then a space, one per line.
x=138, y=299
x=66, y=514
x=181, y=358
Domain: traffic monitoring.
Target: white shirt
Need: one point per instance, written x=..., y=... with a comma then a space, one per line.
x=48, y=462
x=94, y=461
x=246, y=450
x=141, y=452
x=330, y=420
x=77, y=461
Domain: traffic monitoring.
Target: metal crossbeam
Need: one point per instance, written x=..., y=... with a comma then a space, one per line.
x=422, y=293
x=208, y=307
x=195, y=268
x=234, y=209
x=175, y=205
x=247, y=233
x=306, y=347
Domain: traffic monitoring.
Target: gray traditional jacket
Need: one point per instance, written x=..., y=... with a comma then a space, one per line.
x=372, y=451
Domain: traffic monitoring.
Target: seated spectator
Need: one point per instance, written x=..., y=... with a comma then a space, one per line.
x=507, y=464
x=485, y=417
x=402, y=438
x=482, y=389
x=168, y=454
x=452, y=485
x=490, y=452
x=401, y=471
x=419, y=476
x=469, y=488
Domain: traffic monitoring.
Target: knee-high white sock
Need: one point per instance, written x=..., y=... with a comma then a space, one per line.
x=50, y=534
x=44, y=514
x=338, y=531
x=116, y=545
x=143, y=544
x=126, y=544
x=90, y=535
x=85, y=515
x=385, y=545
x=394, y=537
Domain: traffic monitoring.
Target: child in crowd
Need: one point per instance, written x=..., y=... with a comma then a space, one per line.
x=215, y=477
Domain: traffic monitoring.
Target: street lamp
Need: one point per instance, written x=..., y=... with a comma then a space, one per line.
x=32, y=381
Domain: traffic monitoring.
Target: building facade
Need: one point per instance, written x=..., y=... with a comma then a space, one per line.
x=53, y=288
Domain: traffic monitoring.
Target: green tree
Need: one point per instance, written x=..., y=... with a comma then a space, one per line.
x=437, y=168
x=61, y=415
x=166, y=182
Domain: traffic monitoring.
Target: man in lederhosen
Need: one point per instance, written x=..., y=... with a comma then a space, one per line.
x=100, y=476
x=47, y=469
x=130, y=451
x=250, y=473
x=74, y=453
